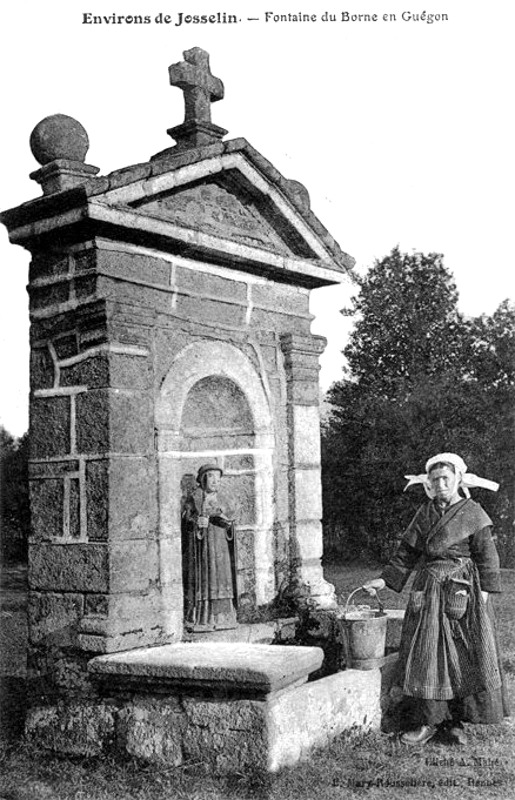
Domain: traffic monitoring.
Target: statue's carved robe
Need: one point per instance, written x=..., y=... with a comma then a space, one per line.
x=209, y=562
x=448, y=645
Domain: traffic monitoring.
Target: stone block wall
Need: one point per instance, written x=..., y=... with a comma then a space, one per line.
x=222, y=734
x=109, y=325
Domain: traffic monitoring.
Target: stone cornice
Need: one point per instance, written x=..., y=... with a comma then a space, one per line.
x=105, y=206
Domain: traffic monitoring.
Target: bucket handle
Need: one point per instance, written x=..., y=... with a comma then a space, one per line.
x=372, y=593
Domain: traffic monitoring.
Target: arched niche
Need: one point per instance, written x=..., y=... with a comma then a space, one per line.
x=216, y=415
x=213, y=406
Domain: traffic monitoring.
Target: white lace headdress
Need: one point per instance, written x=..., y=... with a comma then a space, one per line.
x=467, y=479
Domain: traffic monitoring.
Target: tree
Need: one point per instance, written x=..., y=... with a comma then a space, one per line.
x=492, y=369
x=14, y=496
x=420, y=379
x=407, y=324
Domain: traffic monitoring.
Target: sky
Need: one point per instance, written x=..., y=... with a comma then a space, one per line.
x=401, y=130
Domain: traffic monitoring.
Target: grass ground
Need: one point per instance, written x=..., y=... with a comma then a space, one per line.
x=374, y=766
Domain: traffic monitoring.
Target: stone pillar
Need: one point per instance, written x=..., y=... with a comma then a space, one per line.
x=93, y=551
x=301, y=355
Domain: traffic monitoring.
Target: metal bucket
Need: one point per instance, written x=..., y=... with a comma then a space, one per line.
x=365, y=636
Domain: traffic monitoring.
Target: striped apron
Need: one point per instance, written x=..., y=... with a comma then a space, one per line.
x=448, y=647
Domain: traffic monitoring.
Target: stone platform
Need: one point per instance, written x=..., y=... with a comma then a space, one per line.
x=231, y=707
x=280, y=631
x=229, y=667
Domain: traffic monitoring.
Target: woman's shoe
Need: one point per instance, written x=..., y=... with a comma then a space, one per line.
x=419, y=736
x=456, y=735
x=452, y=733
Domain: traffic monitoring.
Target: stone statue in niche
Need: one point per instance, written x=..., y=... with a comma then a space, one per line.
x=209, y=554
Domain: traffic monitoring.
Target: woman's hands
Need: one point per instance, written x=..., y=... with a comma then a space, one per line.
x=374, y=585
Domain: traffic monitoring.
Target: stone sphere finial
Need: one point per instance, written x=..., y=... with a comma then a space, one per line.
x=59, y=137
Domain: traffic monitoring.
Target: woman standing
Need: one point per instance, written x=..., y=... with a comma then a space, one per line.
x=448, y=657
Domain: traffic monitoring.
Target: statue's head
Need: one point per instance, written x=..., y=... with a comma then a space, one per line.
x=209, y=477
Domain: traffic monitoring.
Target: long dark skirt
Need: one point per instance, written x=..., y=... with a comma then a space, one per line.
x=448, y=649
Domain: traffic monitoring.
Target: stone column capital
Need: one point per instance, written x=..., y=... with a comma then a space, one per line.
x=297, y=343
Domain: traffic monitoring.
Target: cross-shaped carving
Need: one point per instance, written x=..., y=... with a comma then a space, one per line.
x=200, y=87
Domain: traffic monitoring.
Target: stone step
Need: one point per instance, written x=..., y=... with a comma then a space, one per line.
x=278, y=630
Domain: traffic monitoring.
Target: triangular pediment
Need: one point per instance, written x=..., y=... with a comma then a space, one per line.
x=223, y=208
x=225, y=204
x=220, y=203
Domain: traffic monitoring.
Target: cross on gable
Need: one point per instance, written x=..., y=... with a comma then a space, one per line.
x=200, y=87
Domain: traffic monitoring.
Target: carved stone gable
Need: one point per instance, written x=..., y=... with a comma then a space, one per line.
x=214, y=209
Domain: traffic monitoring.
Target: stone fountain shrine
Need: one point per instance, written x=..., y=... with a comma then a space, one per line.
x=169, y=328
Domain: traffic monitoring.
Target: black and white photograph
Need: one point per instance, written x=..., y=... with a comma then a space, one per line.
x=257, y=408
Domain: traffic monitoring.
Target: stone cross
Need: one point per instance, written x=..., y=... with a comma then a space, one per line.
x=200, y=87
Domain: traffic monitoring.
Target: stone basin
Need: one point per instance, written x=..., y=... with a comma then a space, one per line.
x=232, y=706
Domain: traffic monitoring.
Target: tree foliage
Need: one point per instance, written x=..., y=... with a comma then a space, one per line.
x=420, y=379
x=407, y=324
x=14, y=496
